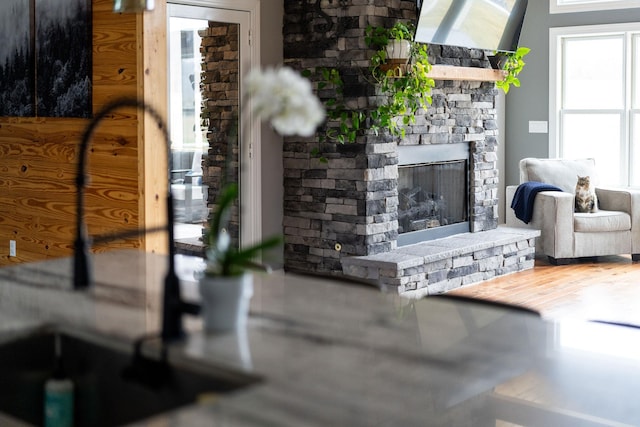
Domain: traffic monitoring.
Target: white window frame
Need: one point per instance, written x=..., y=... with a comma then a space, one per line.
x=556, y=36
x=571, y=6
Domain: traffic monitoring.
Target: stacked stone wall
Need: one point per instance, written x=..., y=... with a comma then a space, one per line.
x=348, y=206
x=220, y=99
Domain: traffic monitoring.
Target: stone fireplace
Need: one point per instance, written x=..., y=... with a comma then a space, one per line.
x=417, y=214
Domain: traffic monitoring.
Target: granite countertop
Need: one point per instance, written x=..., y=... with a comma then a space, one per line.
x=327, y=352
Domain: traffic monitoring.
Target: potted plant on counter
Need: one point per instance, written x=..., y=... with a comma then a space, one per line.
x=226, y=284
x=285, y=99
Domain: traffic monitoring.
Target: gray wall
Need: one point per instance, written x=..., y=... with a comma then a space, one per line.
x=531, y=100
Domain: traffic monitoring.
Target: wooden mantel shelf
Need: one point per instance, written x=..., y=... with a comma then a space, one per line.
x=449, y=72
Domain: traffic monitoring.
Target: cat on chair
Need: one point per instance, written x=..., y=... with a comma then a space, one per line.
x=586, y=199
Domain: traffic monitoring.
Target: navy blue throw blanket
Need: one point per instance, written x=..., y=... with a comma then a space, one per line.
x=522, y=202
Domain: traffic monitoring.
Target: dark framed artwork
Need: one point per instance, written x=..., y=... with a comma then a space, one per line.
x=45, y=58
x=63, y=58
x=17, y=67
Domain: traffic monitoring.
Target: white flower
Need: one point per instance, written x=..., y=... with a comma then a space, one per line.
x=224, y=241
x=216, y=250
x=285, y=99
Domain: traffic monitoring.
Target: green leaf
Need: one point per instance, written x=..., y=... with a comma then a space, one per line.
x=237, y=261
x=228, y=195
x=355, y=120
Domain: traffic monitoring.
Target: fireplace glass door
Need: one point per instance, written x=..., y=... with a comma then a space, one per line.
x=432, y=195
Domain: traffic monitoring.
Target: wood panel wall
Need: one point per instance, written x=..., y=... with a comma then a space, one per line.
x=127, y=166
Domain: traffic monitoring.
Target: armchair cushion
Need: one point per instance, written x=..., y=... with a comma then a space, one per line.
x=601, y=221
x=562, y=173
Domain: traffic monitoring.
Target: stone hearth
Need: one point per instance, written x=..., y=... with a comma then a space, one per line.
x=441, y=265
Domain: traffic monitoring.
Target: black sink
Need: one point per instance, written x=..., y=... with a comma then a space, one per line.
x=111, y=389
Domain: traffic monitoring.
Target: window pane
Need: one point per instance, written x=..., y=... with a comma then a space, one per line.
x=597, y=136
x=635, y=144
x=635, y=84
x=584, y=72
x=562, y=6
x=584, y=1
x=185, y=99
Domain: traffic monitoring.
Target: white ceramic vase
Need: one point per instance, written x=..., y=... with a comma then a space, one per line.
x=225, y=302
x=398, y=49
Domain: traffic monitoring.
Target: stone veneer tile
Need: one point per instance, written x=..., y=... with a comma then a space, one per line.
x=387, y=260
x=421, y=250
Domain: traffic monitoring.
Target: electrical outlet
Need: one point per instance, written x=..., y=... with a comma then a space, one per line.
x=12, y=248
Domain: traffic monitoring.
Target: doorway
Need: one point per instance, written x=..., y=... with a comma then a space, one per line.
x=209, y=51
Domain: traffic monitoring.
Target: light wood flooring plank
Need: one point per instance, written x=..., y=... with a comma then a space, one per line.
x=606, y=289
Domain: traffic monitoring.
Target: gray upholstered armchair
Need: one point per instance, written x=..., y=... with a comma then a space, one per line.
x=565, y=234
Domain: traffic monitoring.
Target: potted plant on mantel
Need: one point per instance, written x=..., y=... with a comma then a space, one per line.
x=406, y=87
x=512, y=64
x=404, y=84
x=285, y=99
x=396, y=41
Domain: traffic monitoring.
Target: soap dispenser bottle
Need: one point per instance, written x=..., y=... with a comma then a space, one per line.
x=58, y=394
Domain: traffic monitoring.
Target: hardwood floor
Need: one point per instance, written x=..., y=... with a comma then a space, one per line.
x=607, y=289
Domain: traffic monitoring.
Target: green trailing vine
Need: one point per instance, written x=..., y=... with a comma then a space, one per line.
x=380, y=36
x=344, y=123
x=513, y=65
x=404, y=88
x=404, y=94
